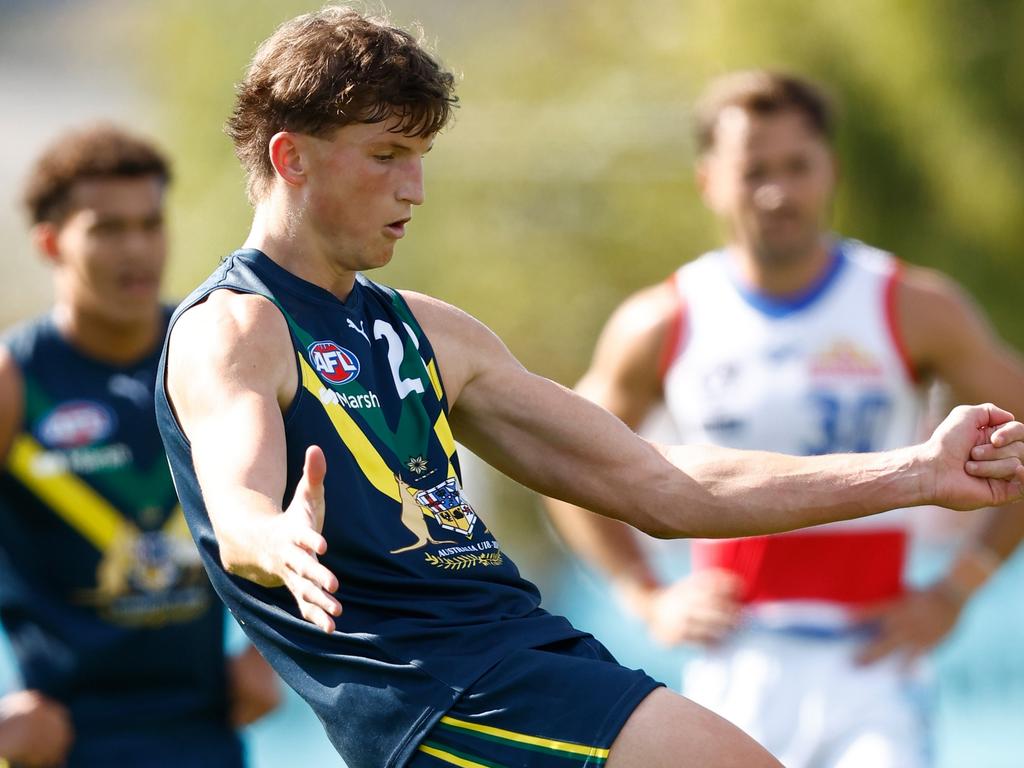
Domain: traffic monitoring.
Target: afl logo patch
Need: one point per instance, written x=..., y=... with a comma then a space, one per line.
x=335, y=364
x=76, y=424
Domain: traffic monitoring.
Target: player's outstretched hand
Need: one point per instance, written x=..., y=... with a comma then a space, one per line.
x=35, y=731
x=977, y=457
x=301, y=541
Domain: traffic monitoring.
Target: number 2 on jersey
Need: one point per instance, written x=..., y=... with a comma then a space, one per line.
x=396, y=355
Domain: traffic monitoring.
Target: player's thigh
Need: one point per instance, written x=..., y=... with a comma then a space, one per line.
x=669, y=731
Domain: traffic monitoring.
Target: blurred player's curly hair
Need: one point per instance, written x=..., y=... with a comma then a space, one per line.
x=96, y=151
x=763, y=92
x=332, y=68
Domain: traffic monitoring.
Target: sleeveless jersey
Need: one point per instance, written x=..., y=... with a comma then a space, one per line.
x=102, y=592
x=822, y=372
x=430, y=600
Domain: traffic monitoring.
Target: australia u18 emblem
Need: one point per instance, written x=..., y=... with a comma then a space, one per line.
x=334, y=363
x=445, y=504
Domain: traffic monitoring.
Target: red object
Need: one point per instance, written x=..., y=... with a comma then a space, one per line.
x=845, y=567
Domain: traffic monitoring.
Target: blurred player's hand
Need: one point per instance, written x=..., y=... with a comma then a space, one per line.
x=299, y=541
x=702, y=609
x=975, y=456
x=254, y=687
x=35, y=731
x=911, y=625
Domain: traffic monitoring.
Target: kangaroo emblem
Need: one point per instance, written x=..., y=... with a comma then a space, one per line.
x=414, y=519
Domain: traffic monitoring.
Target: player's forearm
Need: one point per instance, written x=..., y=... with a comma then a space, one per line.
x=724, y=493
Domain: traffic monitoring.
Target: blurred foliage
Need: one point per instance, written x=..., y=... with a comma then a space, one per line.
x=566, y=182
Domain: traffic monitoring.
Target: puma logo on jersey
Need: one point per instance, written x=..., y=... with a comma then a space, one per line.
x=358, y=329
x=335, y=364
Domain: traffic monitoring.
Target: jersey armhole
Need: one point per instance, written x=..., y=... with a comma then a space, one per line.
x=675, y=338
x=162, y=368
x=892, y=320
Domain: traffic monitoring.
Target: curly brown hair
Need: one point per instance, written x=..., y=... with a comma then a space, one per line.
x=95, y=151
x=762, y=92
x=324, y=70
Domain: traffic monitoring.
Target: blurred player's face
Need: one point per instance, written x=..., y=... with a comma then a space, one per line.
x=109, y=252
x=770, y=178
x=361, y=184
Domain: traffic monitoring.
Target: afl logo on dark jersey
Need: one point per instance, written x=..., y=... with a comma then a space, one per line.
x=335, y=364
x=76, y=424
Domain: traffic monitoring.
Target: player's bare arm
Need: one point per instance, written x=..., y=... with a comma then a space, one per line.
x=562, y=445
x=948, y=338
x=230, y=375
x=12, y=401
x=35, y=730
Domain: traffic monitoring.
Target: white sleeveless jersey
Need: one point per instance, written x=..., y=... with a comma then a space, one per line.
x=823, y=372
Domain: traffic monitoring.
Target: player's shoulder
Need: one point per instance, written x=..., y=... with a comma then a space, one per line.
x=923, y=289
x=230, y=323
x=647, y=314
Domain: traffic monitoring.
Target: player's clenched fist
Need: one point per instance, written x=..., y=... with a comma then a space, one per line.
x=977, y=457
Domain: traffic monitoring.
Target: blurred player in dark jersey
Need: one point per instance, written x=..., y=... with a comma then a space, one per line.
x=117, y=634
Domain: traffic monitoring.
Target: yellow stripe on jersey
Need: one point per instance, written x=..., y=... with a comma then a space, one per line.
x=75, y=501
x=444, y=434
x=377, y=471
x=448, y=757
x=176, y=525
x=435, y=380
x=522, y=738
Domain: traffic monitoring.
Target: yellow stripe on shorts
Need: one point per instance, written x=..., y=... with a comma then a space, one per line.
x=522, y=738
x=440, y=754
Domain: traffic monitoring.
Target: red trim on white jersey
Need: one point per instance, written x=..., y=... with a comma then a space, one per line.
x=675, y=339
x=845, y=567
x=892, y=320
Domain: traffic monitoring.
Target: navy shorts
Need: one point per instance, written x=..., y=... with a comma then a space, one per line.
x=556, y=706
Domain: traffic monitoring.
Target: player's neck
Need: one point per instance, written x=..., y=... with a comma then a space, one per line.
x=781, y=278
x=105, y=339
x=296, y=250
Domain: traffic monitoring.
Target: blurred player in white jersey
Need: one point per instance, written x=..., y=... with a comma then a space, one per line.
x=793, y=339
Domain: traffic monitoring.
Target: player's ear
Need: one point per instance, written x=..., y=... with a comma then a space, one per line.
x=45, y=239
x=287, y=158
x=703, y=179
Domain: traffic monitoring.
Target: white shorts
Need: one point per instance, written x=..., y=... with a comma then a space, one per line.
x=805, y=700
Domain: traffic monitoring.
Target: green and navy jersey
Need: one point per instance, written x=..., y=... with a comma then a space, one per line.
x=430, y=599
x=102, y=592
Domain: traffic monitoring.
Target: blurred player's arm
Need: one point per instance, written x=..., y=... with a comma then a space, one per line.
x=254, y=687
x=562, y=445
x=230, y=375
x=12, y=401
x=948, y=338
x=623, y=379
x=35, y=731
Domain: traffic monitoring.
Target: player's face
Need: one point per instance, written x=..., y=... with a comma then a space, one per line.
x=361, y=186
x=770, y=178
x=109, y=252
